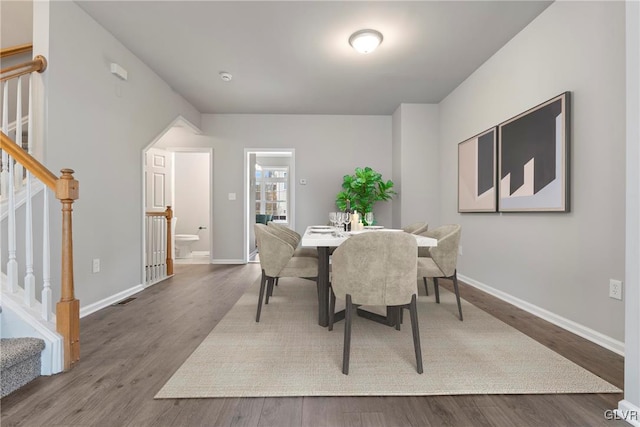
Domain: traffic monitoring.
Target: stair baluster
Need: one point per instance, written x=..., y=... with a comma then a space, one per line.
x=158, y=257
x=29, y=278
x=4, y=188
x=47, y=298
x=18, y=169
x=12, y=263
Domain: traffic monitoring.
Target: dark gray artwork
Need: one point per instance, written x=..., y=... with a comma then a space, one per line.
x=534, y=151
x=477, y=173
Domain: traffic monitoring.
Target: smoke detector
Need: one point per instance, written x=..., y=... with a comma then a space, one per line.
x=225, y=76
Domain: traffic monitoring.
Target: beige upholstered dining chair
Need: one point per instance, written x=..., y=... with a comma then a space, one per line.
x=277, y=260
x=376, y=269
x=293, y=238
x=421, y=228
x=442, y=260
x=416, y=227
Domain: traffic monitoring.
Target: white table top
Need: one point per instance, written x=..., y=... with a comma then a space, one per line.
x=314, y=240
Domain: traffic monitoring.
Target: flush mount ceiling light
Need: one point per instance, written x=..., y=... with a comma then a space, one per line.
x=365, y=41
x=225, y=76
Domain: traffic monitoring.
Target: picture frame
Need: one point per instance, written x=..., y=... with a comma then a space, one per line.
x=477, y=171
x=533, y=158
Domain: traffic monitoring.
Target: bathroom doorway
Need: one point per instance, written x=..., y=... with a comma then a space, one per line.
x=192, y=184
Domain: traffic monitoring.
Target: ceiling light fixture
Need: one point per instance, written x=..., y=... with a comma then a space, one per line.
x=365, y=41
x=225, y=76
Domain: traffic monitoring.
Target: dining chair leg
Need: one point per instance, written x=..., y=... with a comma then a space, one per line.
x=270, y=281
x=426, y=288
x=262, y=289
x=398, y=312
x=347, y=335
x=413, y=310
x=436, y=289
x=276, y=284
x=455, y=288
x=332, y=308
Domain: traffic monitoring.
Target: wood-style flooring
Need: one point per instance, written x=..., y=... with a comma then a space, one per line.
x=129, y=351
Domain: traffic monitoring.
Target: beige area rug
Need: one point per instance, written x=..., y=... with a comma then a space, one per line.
x=288, y=354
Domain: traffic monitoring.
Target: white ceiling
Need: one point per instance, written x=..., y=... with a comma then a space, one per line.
x=293, y=57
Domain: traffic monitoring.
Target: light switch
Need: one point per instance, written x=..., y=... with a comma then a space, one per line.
x=232, y=196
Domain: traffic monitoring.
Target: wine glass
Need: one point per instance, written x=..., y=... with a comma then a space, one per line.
x=332, y=218
x=368, y=218
x=339, y=223
x=346, y=218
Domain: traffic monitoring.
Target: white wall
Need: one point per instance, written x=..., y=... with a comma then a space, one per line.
x=396, y=164
x=98, y=125
x=632, y=276
x=416, y=164
x=192, y=189
x=16, y=24
x=558, y=262
x=327, y=147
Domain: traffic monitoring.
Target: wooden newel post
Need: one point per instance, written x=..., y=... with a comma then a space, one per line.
x=68, y=309
x=169, y=216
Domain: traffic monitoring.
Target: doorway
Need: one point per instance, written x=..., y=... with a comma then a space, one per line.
x=192, y=179
x=174, y=174
x=269, y=192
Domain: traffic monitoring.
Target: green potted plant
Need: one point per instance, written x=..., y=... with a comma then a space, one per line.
x=363, y=189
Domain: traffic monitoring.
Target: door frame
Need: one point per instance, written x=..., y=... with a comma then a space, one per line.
x=178, y=121
x=247, y=191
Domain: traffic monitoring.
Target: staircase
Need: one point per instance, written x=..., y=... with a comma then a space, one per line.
x=19, y=362
x=35, y=340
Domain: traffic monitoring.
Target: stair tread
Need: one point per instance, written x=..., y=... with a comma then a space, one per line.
x=15, y=350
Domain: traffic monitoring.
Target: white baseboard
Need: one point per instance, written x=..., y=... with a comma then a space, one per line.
x=228, y=261
x=628, y=412
x=571, y=326
x=99, y=305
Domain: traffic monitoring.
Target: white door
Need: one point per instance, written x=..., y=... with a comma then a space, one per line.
x=158, y=176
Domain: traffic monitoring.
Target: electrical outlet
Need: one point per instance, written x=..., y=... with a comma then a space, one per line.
x=615, y=289
x=96, y=265
x=459, y=249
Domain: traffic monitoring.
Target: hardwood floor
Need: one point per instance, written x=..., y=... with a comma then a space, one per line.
x=129, y=351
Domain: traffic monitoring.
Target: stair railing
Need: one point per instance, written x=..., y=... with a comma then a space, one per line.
x=158, y=248
x=21, y=175
x=16, y=50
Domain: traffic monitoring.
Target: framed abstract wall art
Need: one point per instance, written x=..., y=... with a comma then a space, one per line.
x=533, y=158
x=477, y=188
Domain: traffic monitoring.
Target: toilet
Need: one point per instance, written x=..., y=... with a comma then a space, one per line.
x=183, y=242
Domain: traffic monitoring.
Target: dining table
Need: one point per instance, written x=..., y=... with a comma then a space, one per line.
x=326, y=238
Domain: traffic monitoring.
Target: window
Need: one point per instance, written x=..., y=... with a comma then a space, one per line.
x=272, y=194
